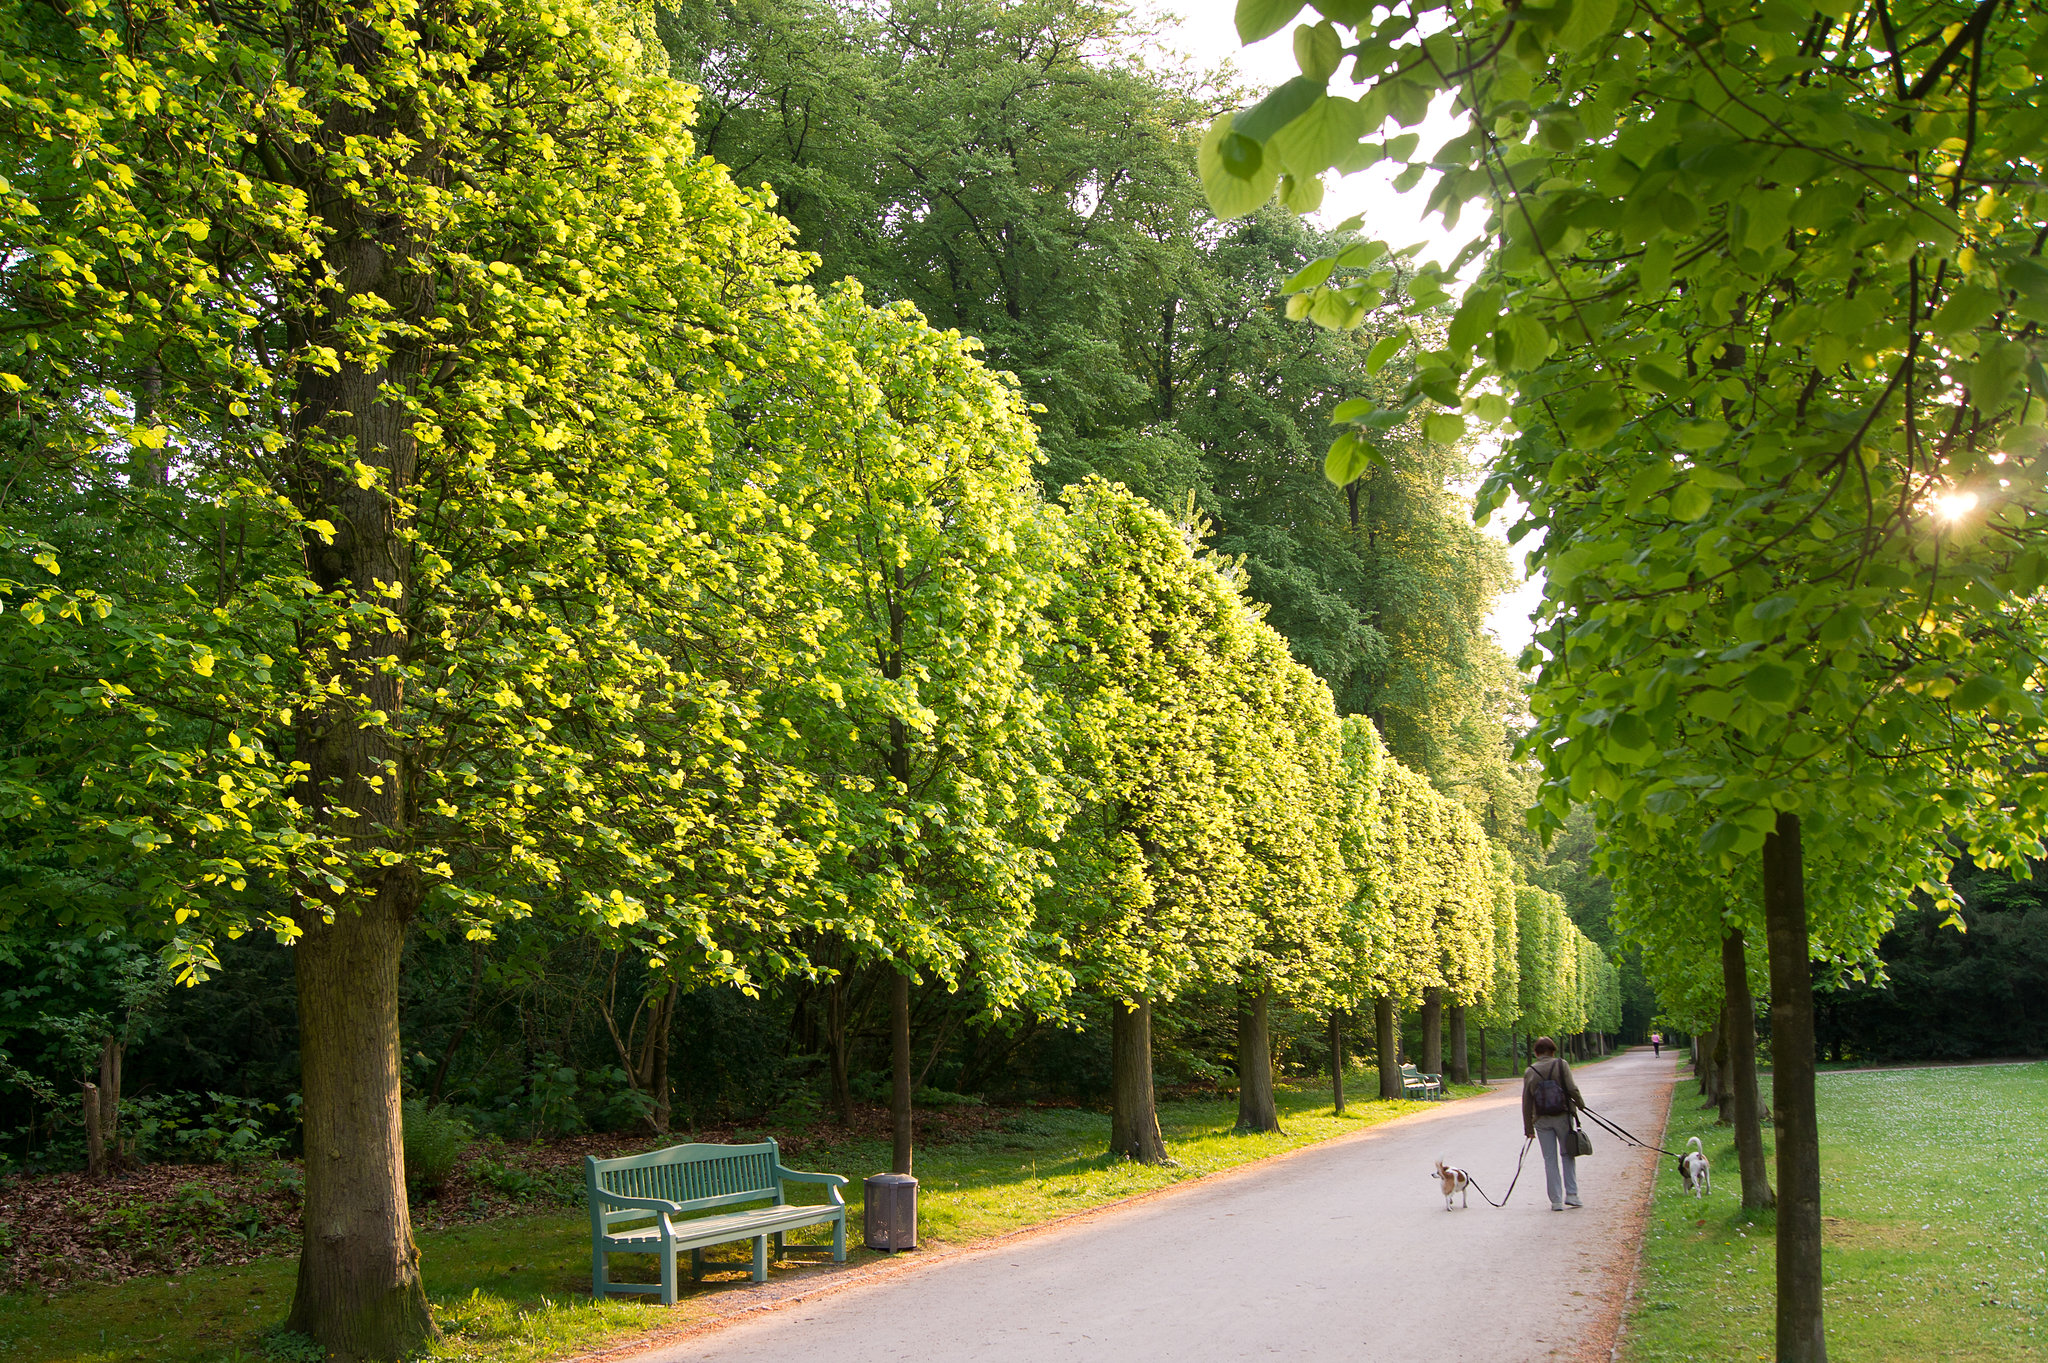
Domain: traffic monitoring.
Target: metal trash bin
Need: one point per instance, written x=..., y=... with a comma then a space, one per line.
x=889, y=1211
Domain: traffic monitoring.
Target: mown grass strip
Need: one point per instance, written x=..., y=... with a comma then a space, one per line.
x=1935, y=1242
x=517, y=1290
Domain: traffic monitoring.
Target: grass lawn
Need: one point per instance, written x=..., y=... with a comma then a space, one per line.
x=518, y=1289
x=1935, y=1237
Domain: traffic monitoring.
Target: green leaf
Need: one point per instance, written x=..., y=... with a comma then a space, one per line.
x=1319, y=137
x=1349, y=457
x=1520, y=344
x=1351, y=409
x=1309, y=275
x=1691, y=502
x=1589, y=19
x=1628, y=731
x=1318, y=51
x=1968, y=308
x=1444, y=428
x=1700, y=435
x=1771, y=683
x=1301, y=195
x=1232, y=194
x=1978, y=692
x=1258, y=19
x=1384, y=349
x=1280, y=108
x=1475, y=319
x=1721, y=836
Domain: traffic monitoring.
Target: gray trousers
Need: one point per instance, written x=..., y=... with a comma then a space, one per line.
x=1558, y=1141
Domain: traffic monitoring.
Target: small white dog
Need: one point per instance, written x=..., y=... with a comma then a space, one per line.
x=1456, y=1183
x=1695, y=1170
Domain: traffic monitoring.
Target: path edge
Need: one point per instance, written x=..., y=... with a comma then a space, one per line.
x=1612, y=1334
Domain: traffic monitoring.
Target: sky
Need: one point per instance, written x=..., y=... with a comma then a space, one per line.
x=1207, y=34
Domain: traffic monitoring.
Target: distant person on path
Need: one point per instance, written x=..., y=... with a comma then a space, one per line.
x=1656, y=1044
x=1549, y=1095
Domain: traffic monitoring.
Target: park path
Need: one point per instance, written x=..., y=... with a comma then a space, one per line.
x=1341, y=1250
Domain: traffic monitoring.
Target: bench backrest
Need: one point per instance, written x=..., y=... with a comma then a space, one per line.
x=696, y=1176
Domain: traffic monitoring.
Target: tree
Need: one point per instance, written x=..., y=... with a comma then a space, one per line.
x=1151, y=892
x=1746, y=365
x=410, y=394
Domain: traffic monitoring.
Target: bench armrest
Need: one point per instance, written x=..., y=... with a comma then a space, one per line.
x=833, y=1182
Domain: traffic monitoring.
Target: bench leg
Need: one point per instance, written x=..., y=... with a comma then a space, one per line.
x=668, y=1275
x=599, y=1282
x=697, y=1265
x=839, y=1239
x=778, y=1247
x=760, y=1258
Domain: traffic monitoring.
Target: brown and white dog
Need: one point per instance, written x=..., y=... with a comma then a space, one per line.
x=1695, y=1170
x=1456, y=1183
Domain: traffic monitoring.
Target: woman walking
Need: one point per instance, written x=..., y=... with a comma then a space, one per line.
x=1549, y=1097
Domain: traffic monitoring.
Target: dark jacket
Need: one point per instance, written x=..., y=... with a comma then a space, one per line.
x=1543, y=1069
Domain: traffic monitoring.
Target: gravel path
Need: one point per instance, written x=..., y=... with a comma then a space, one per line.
x=1341, y=1250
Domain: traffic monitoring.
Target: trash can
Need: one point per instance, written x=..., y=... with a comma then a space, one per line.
x=889, y=1215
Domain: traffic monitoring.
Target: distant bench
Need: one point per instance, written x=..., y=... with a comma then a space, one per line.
x=664, y=1185
x=1416, y=1084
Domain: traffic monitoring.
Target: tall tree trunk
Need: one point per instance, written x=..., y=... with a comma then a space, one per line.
x=359, y=1291
x=112, y=1050
x=1724, y=1072
x=95, y=1139
x=1255, y=1109
x=1802, y=1331
x=899, y=1067
x=1133, y=1111
x=835, y=1040
x=1337, y=1060
x=1461, y=1064
x=1387, y=1035
x=1708, y=1067
x=1749, y=1131
x=1432, y=1032
x=657, y=1068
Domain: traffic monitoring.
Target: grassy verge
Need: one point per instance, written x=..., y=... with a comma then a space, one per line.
x=1935, y=1244
x=517, y=1290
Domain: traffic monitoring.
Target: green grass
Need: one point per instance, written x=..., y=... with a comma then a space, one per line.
x=1935, y=1242
x=517, y=1290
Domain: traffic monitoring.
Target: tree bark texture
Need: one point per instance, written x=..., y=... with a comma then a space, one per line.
x=95, y=1139
x=899, y=1069
x=1432, y=1061
x=1749, y=1131
x=1255, y=1108
x=1388, y=1038
x=1724, y=1072
x=1133, y=1111
x=359, y=1291
x=1337, y=1060
x=1801, y=1326
x=1709, y=1070
x=1461, y=1064
x=835, y=1039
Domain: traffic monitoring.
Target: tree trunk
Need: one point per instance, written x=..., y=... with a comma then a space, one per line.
x=1802, y=1330
x=1255, y=1109
x=1432, y=1032
x=1337, y=1060
x=1724, y=1071
x=835, y=1040
x=1388, y=1037
x=657, y=1069
x=1749, y=1131
x=1707, y=1069
x=113, y=1158
x=1461, y=1064
x=1133, y=1112
x=899, y=1067
x=359, y=1292
x=95, y=1140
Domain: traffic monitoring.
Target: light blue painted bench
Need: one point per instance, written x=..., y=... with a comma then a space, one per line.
x=662, y=1186
x=1416, y=1084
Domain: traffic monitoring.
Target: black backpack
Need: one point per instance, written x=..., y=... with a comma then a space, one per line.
x=1551, y=1099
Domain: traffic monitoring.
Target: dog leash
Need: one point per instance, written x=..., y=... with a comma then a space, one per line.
x=1616, y=1129
x=1511, y=1182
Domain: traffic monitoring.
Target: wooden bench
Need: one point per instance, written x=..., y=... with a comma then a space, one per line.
x=1416, y=1084
x=663, y=1186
